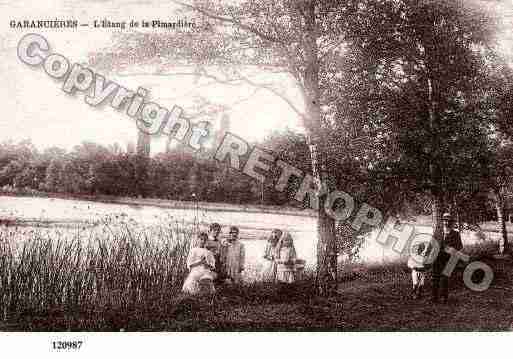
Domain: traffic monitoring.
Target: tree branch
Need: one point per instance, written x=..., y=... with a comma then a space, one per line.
x=230, y=82
x=277, y=93
x=230, y=20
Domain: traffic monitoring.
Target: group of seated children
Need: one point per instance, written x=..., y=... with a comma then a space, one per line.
x=214, y=261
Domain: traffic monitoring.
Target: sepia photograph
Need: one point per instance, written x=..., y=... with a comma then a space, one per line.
x=255, y=166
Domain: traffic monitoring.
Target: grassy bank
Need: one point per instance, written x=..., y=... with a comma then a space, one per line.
x=359, y=306
x=119, y=275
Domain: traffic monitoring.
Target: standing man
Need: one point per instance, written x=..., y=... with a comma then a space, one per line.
x=450, y=239
x=233, y=256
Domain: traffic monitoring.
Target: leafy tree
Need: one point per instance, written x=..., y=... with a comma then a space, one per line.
x=53, y=176
x=295, y=38
x=415, y=71
x=17, y=164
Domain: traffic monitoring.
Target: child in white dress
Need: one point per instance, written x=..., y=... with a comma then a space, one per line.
x=270, y=254
x=419, y=266
x=233, y=256
x=201, y=264
x=286, y=260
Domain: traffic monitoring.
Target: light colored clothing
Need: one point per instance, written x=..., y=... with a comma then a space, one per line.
x=213, y=246
x=417, y=263
x=233, y=257
x=418, y=277
x=269, y=270
x=200, y=261
x=419, y=256
x=286, y=268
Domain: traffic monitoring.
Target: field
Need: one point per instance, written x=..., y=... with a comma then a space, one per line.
x=78, y=265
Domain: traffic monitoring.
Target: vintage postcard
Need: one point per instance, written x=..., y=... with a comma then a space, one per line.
x=255, y=166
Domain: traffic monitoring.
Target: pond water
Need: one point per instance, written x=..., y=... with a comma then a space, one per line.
x=254, y=226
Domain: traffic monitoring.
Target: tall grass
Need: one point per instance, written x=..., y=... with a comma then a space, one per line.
x=114, y=264
x=116, y=273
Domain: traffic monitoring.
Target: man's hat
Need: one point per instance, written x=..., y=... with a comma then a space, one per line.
x=447, y=216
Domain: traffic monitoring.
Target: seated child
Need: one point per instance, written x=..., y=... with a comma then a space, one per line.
x=201, y=263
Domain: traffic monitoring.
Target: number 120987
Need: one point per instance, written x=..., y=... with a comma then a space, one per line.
x=67, y=345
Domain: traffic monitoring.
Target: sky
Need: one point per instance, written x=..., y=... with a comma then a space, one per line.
x=34, y=106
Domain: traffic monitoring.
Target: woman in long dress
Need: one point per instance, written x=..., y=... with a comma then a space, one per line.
x=270, y=254
x=201, y=264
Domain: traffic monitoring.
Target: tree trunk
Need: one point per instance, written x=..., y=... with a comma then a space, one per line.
x=436, y=217
x=501, y=223
x=326, y=255
x=456, y=213
x=326, y=277
x=437, y=186
x=434, y=168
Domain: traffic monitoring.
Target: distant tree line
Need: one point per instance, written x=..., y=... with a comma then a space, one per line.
x=93, y=169
x=177, y=174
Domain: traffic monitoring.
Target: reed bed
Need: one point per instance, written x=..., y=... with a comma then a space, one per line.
x=113, y=264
